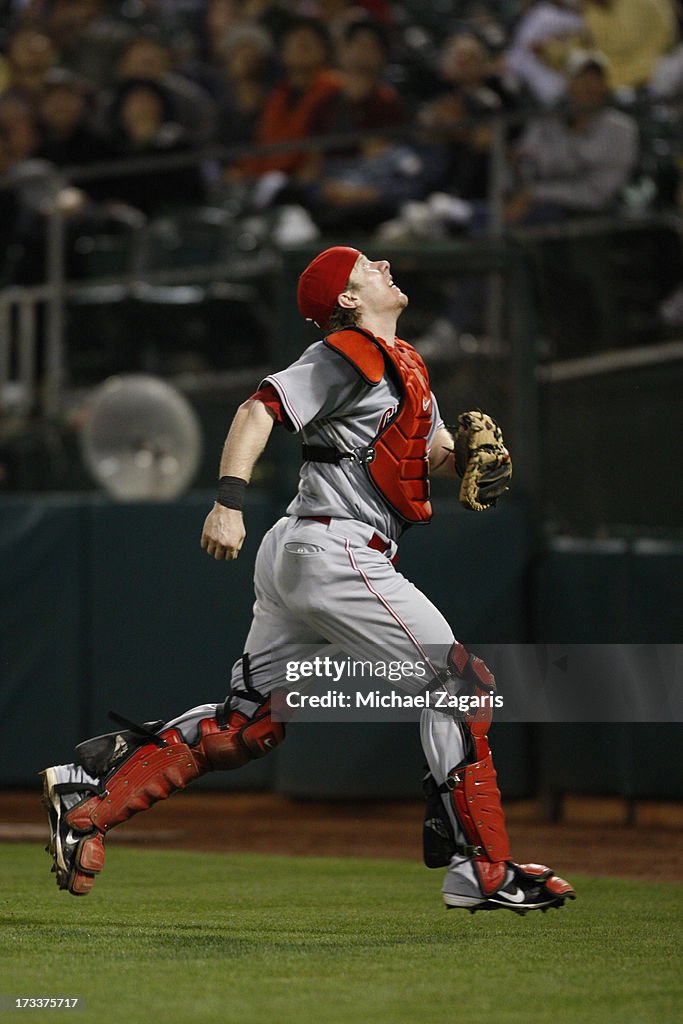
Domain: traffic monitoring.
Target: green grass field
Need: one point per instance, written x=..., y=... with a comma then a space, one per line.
x=192, y=937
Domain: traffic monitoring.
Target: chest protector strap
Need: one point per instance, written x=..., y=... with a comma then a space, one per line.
x=396, y=459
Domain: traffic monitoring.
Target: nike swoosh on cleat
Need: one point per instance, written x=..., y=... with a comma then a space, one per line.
x=512, y=897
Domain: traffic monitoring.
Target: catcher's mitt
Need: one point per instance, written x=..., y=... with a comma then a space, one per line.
x=482, y=460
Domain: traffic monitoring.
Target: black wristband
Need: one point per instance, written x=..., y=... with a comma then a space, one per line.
x=231, y=491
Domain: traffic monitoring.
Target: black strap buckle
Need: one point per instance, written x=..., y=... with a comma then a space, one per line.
x=450, y=783
x=469, y=850
x=363, y=454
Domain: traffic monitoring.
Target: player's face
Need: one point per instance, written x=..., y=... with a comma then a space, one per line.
x=373, y=284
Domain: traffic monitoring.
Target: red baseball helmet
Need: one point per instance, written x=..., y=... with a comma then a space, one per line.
x=322, y=281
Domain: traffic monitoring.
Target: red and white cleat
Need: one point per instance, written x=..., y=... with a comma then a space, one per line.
x=532, y=887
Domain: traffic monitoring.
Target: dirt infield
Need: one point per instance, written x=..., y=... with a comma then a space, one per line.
x=591, y=840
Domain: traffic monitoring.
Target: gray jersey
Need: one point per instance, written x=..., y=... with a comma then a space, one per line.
x=328, y=403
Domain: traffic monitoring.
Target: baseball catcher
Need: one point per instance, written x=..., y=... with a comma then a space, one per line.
x=325, y=574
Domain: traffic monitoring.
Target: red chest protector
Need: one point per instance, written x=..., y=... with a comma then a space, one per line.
x=399, y=469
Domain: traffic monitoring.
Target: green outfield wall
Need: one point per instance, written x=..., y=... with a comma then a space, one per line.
x=107, y=606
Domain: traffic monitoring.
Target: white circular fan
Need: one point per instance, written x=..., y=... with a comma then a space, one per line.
x=142, y=439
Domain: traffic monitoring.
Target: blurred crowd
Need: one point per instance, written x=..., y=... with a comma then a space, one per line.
x=404, y=95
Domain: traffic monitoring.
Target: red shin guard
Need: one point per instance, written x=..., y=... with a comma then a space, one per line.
x=154, y=771
x=473, y=787
x=477, y=805
x=475, y=800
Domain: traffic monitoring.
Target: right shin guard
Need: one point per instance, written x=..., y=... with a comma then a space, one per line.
x=475, y=801
x=472, y=787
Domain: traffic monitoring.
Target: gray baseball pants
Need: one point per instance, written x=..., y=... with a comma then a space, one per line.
x=321, y=584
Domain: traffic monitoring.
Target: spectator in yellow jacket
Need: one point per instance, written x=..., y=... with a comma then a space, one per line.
x=632, y=34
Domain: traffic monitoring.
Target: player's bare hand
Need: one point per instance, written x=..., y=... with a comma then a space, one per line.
x=223, y=534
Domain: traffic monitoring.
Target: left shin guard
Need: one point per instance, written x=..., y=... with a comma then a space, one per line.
x=165, y=763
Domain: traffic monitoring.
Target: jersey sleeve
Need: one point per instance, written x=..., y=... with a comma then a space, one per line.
x=269, y=397
x=313, y=387
x=437, y=421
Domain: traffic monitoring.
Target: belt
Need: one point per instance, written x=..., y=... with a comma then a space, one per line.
x=376, y=542
x=321, y=453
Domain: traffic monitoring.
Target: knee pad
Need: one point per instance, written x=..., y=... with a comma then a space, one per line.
x=100, y=754
x=243, y=739
x=480, y=681
x=438, y=838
